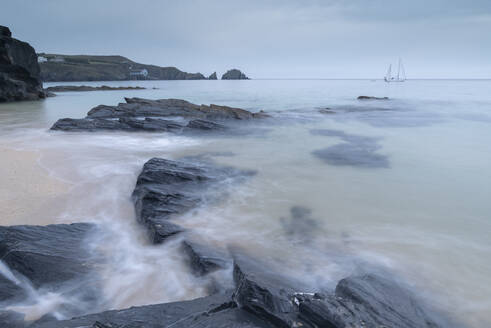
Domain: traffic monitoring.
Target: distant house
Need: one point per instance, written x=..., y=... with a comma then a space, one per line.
x=138, y=73
x=42, y=59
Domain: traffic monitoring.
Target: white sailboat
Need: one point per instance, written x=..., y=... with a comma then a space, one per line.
x=401, y=73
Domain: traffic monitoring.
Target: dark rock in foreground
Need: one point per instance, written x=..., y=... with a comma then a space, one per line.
x=366, y=301
x=51, y=258
x=46, y=254
x=139, y=114
x=372, y=98
x=65, y=88
x=168, y=188
x=234, y=74
x=264, y=298
x=19, y=70
x=216, y=311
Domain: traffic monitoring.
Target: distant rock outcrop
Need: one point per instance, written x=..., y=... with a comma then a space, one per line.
x=19, y=69
x=57, y=67
x=234, y=74
x=213, y=76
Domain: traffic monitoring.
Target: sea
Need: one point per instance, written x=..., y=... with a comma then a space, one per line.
x=340, y=186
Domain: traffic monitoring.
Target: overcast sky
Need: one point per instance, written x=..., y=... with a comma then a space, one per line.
x=268, y=38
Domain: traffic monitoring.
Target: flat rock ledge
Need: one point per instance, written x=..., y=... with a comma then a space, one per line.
x=67, y=88
x=163, y=115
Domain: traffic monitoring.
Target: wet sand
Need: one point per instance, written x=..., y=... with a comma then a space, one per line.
x=27, y=191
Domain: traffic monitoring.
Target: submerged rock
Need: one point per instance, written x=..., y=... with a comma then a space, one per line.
x=234, y=74
x=372, y=98
x=139, y=114
x=19, y=69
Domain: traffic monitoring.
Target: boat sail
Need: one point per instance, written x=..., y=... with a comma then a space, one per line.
x=401, y=73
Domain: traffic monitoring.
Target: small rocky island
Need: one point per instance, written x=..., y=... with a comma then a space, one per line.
x=19, y=70
x=234, y=74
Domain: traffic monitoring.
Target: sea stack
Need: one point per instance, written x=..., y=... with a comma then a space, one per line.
x=19, y=69
x=213, y=76
x=234, y=74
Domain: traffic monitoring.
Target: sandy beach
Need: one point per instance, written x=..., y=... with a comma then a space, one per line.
x=22, y=181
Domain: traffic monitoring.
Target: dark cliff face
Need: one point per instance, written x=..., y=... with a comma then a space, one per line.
x=234, y=74
x=19, y=69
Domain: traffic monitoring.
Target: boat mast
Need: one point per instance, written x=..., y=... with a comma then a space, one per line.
x=389, y=73
x=403, y=72
x=399, y=70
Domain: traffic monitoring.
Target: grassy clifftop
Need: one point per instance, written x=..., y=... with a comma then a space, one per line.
x=103, y=68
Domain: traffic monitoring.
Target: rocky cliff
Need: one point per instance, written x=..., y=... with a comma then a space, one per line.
x=55, y=67
x=234, y=74
x=19, y=69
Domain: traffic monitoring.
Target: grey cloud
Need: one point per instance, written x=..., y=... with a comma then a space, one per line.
x=269, y=38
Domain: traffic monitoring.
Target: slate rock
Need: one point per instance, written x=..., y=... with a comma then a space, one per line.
x=205, y=259
x=19, y=70
x=216, y=311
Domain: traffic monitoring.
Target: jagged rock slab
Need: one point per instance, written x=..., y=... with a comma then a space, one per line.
x=123, y=124
x=19, y=70
x=139, y=107
x=213, y=76
x=46, y=255
x=168, y=188
x=139, y=114
x=216, y=311
x=205, y=259
x=48, y=259
x=267, y=294
x=367, y=301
